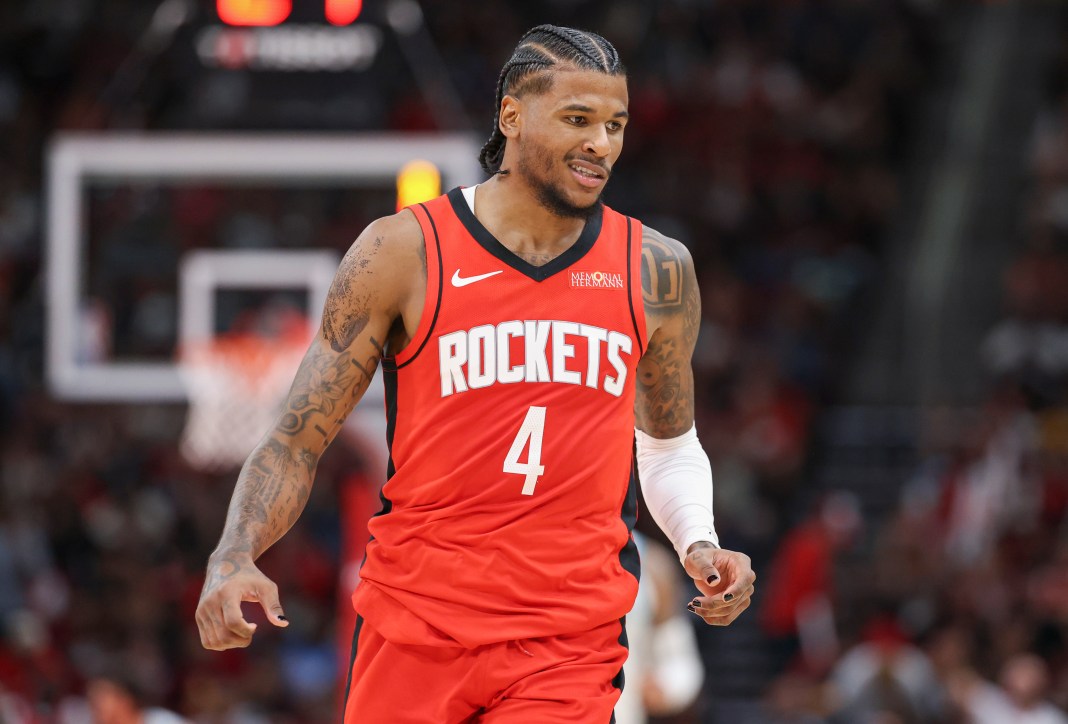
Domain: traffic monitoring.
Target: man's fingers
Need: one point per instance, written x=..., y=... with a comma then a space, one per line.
x=726, y=580
x=739, y=587
x=220, y=621
x=730, y=599
x=701, y=568
x=267, y=594
x=726, y=600
x=205, y=629
x=721, y=617
x=211, y=631
x=235, y=621
x=738, y=611
x=729, y=618
x=715, y=605
x=226, y=632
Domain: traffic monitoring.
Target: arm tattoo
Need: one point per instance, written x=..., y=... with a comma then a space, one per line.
x=661, y=272
x=276, y=480
x=324, y=386
x=346, y=313
x=665, y=405
x=272, y=490
x=275, y=483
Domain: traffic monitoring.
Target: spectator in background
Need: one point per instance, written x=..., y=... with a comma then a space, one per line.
x=798, y=612
x=886, y=673
x=1020, y=698
x=795, y=698
x=117, y=699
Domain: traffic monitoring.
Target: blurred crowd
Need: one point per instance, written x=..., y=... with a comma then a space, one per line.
x=955, y=607
x=767, y=135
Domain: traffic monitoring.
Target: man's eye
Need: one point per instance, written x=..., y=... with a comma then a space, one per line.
x=615, y=126
x=576, y=120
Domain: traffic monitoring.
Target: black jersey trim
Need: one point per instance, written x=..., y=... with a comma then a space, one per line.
x=352, y=664
x=628, y=554
x=490, y=243
x=389, y=384
x=389, y=379
x=630, y=295
x=619, y=680
x=391, y=361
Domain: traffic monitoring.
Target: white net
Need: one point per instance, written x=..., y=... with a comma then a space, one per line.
x=236, y=385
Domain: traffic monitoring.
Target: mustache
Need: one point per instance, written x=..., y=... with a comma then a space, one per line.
x=591, y=159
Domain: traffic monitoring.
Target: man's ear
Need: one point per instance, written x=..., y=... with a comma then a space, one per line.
x=510, y=121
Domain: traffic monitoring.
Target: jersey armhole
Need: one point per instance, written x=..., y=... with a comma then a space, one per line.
x=432, y=300
x=634, y=282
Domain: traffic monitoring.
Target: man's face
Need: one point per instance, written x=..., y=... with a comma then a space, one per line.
x=570, y=137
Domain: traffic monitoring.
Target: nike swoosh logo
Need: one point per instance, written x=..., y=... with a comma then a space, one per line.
x=459, y=281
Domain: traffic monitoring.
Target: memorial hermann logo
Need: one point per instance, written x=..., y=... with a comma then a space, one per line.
x=596, y=280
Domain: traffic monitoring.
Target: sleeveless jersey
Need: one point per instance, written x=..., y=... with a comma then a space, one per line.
x=510, y=421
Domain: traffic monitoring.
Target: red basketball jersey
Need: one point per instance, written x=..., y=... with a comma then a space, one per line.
x=511, y=493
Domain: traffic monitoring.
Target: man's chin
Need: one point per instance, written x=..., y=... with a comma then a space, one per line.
x=569, y=206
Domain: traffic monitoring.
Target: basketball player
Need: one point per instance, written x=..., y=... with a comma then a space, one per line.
x=524, y=330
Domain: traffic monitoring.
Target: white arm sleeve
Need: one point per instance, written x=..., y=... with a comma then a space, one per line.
x=676, y=480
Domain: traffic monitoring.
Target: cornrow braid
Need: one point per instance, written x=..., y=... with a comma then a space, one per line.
x=540, y=49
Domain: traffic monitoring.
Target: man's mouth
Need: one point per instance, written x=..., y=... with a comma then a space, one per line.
x=588, y=174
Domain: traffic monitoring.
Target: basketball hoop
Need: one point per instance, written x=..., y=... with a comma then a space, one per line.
x=236, y=384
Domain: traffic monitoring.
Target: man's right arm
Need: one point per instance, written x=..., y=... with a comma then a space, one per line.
x=377, y=286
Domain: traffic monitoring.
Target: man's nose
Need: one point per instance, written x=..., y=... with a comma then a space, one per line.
x=597, y=143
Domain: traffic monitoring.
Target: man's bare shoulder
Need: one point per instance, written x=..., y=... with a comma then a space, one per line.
x=666, y=266
x=402, y=224
x=382, y=269
x=395, y=235
x=389, y=243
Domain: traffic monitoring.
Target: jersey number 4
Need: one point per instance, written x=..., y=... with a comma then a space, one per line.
x=532, y=429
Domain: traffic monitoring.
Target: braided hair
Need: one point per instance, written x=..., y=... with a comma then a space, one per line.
x=540, y=49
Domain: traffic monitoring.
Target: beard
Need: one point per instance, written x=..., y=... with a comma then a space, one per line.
x=535, y=165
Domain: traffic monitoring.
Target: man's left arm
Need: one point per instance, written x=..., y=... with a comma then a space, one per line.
x=674, y=470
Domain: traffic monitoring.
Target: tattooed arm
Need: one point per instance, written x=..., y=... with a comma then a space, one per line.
x=676, y=479
x=375, y=300
x=664, y=405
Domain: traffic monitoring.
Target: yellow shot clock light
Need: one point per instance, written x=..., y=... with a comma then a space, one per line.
x=417, y=181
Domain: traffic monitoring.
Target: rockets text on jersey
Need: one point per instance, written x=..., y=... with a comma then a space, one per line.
x=482, y=356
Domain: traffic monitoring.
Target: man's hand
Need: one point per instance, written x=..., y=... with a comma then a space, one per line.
x=726, y=580
x=230, y=580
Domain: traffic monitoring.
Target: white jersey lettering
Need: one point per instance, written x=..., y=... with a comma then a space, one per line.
x=617, y=343
x=596, y=336
x=562, y=352
x=506, y=372
x=482, y=356
x=537, y=337
x=452, y=353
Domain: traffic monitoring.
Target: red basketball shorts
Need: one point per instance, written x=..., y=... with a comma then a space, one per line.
x=575, y=678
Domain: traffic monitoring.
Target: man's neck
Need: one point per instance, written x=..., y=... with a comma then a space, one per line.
x=511, y=211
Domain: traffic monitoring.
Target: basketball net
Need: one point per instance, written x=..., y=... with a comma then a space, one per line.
x=236, y=384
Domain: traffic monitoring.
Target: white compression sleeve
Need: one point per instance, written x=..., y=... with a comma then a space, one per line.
x=676, y=480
